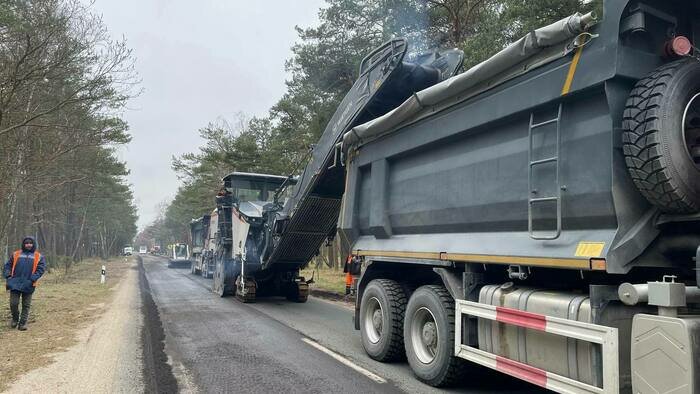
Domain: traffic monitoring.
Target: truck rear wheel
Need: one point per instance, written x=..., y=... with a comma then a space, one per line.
x=661, y=137
x=429, y=332
x=381, y=319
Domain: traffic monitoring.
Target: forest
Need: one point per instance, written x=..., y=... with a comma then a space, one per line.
x=64, y=84
x=322, y=69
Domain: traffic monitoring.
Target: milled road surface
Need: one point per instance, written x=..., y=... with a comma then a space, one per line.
x=166, y=332
x=222, y=345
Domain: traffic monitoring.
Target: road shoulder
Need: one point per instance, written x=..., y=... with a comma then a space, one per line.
x=107, y=355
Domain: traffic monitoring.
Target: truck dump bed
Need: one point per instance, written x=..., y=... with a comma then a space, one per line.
x=517, y=162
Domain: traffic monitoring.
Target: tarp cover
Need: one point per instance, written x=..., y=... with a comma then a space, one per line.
x=516, y=53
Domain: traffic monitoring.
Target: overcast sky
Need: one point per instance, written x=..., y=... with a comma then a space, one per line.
x=199, y=61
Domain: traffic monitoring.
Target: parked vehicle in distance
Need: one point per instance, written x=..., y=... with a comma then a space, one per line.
x=143, y=250
x=128, y=251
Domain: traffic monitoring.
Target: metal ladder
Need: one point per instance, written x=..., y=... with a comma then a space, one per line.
x=532, y=201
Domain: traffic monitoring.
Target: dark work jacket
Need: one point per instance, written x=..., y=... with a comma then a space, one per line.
x=23, y=280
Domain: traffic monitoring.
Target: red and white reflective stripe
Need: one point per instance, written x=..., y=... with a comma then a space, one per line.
x=520, y=318
x=522, y=371
x=605, y=336
x=537, y=376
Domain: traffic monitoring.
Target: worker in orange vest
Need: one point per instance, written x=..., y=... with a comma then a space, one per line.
x=22, y=271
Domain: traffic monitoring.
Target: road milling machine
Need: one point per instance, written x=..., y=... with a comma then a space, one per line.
x=269, y=226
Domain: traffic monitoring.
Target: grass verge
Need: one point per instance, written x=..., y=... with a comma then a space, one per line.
x=62, y=304
x=326, y=279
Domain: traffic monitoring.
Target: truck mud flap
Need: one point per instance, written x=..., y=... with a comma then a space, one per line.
x=606, y=337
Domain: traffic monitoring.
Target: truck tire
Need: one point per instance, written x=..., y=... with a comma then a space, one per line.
x=429, y=332
x=661, y=136
x=382, y=310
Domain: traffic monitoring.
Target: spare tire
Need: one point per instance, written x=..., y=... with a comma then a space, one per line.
x=661, y=136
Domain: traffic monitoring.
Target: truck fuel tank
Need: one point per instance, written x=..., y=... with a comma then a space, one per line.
x=568, y=357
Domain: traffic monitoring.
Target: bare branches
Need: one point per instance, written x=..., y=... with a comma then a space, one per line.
x=71, y=62
x=63, y=84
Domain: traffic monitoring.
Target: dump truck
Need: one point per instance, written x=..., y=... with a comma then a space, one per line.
x=539, y=213
x=271, y=226
x=199, y=229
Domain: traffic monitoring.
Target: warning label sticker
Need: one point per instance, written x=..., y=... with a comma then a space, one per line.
x=590, y=249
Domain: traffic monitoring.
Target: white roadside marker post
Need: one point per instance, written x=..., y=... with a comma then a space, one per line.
x=102, y=277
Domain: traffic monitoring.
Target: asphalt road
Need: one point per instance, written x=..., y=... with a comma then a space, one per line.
x=218, y=344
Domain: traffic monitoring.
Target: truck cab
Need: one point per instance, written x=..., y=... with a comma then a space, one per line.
x=250, y=195
x=251, y=187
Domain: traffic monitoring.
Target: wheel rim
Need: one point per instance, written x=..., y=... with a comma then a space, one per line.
x=691, y=129
x=424, y=335
x=374, y=320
